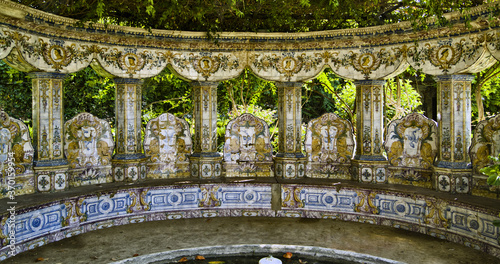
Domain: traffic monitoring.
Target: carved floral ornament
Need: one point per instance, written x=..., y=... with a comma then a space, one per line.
x=375, y=56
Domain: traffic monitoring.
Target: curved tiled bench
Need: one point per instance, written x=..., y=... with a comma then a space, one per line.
x=52, y=217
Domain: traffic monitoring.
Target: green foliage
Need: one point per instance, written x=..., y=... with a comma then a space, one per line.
x=15, y=93
x=401, y=98
x=493, y=172
x=247, y=89
x=488, y=81
x=246, y=94
x=166, y=93
x=87, y=91
x=256, y=15
x=328, y=93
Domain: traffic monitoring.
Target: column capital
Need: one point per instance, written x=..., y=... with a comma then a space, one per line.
x=369, y=82
x=289, y=84
x=128, y=81
x=456, y=77
x=47, y=75
x=204, y=84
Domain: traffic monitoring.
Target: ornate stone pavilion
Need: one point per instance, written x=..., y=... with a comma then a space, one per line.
x=435, y=159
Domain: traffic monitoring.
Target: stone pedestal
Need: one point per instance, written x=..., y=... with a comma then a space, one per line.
x=205, y=162
x=452, y=180
x=369, y=164
x=50, y=166
x=290, y=162
x=206, y=166
x=452, y=167
x=129, y=161
x=369, y=171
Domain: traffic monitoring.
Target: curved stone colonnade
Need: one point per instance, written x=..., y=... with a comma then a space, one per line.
x=438, y=216
x=49, y=47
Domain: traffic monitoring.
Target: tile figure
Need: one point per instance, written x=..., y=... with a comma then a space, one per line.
x=329, y=144
x=89, y=147
x=168, y=145
x=485, y=143
x=247, y=149
x=411, y=145
x=16, y=157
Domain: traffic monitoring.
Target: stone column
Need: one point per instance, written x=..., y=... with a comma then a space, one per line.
x=452, y=170
x=369, y=164
x=129, y=159
x=289, y=162
x=205, y=162
x=50, y=166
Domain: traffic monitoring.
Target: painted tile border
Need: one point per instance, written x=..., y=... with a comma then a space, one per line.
x=454, y=221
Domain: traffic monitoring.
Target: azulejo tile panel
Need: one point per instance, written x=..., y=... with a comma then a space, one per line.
x=247, y=148
x=419, y=213
x=34, y=223
x=329, y=144
x=88, y=146
x=412, y=141
x=168, y=144
x=451, y=220
x=16, y=157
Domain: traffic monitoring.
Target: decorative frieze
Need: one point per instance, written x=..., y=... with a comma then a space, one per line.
x=61, y=45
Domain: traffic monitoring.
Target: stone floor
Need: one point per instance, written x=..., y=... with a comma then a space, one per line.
x=122, y=242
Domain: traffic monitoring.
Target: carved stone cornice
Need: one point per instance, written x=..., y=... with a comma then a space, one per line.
x=31, y=39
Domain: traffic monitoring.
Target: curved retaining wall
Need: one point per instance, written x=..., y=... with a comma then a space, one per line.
x=444, y=218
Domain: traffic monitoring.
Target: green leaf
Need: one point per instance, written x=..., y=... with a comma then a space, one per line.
x=494, y=180
x=492, y=170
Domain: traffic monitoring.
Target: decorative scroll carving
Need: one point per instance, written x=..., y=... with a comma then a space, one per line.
x=485, y=143
x=329, y=144
x=88, y=146
x=412, y=142
x=168, y=145
x=15, y=143
x=247, y=149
